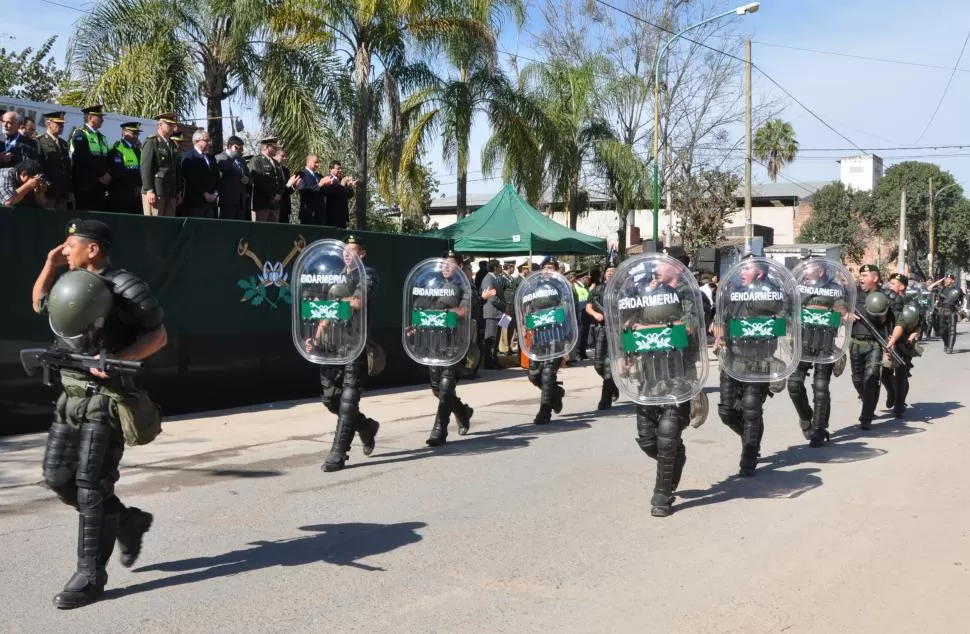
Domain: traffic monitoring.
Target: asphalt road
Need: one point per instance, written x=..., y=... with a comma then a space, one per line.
x=518, y=528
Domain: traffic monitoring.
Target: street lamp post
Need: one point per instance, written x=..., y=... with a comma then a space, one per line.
x=742, y=10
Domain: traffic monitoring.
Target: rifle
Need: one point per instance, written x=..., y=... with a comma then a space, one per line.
x=898, y=360
x=49, y=359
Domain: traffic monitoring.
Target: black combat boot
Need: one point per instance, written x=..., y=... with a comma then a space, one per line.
x=463, y=416
x=439, y=432
x=557, y=399
x=606, y=396
x=132, y=526
x=819, y=438
x=544, y=415
x=96, y=537
x=342, y=438
x=367, y=430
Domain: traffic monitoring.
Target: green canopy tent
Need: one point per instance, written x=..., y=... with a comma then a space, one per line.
x=508, y=225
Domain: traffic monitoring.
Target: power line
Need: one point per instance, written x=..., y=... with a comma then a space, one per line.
x=793, y=182
x=65, y=6
x=755, y=66
x=863, y=57
x=945, y=89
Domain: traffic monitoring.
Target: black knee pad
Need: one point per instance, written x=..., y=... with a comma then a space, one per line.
x=823, y=376
x=98, y=457
x=61, y=456
x=434, y=376
x=668, y=431
x=752, y=400
x=350, y=395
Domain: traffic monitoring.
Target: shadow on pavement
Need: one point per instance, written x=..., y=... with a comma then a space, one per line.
x=215, y=472
x=337, y=544
x=513, y=437
x=772, y=481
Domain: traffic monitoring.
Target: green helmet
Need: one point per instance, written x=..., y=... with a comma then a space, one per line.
x=909, y=317
x=877, y=304
x=78, y=302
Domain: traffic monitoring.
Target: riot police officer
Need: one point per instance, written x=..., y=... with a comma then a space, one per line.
x=895, y=378
x=548, y=332
x=948, y=309
x=601, y=360
x=756, y=308
x=437, y=333
x=330, y=328
x=827, y=292
x=872, y=327
x=658, y=347
x=95, y=308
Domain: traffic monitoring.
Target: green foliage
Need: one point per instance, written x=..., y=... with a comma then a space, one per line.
x=837, y=213
x=706, y=200
x=914, y=176
x=775, y=144
x=31, y=75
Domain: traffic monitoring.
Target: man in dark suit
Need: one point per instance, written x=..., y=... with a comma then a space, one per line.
x=291, y=183
x=16, y=146
x=338, y=192
x=233, y=181
x=201, y=176
x=312, y=203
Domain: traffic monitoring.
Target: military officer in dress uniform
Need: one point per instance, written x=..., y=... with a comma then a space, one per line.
x=55, y=159
x=89, y=156
x=161, y=178
x=124, y=165
x=268, y=182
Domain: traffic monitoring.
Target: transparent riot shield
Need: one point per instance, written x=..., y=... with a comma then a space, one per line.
x=656, y=330
x=437, y=313
x=758, y=322
x=827, y=291
x=330, y=303
x=546, y=316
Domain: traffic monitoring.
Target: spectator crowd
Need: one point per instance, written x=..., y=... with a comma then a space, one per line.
x=166, y=175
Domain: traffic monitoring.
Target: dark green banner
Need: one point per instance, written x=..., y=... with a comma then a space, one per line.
x=661, y=338
x=434, y=319
x=757, y=327
x=821, y=317
x=224, y=286
x=542, y=318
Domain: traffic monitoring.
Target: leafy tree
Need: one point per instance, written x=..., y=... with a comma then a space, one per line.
x=837, y=218
x=145, y=56
x=706, y=200
x=776, y=145
x=914, y=177
x=31, y=75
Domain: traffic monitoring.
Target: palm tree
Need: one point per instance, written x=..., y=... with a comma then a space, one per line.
x=570, y=99
x=449, y=105
x=625, y=178
x=775, y=145
x=145, y=56
x=381, y=31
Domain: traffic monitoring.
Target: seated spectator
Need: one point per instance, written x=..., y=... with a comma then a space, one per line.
x=23, y=185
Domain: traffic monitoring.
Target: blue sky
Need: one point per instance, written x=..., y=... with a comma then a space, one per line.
x=874, y=104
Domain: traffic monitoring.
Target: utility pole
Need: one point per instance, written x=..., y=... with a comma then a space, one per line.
x=748, y=226
x=901, y=258
x=932, y=231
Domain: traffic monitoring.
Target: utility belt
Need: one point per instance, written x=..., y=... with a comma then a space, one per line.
x=140, y=418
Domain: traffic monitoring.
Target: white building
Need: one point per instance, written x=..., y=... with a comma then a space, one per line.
x=861, y=172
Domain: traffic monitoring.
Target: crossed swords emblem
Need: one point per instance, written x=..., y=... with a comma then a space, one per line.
x=544, y=319
x=272, y=273
x=757, y=329
x=648, y=341
x=815, y=319
x=433, y=320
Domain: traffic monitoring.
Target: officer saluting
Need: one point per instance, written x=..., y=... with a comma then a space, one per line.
x=437, y=333
x=161, y=177
x=89, y=155
x=658, y=347
x=55, y=159
x=758, y=338
x=546, y=314
x=827, y=294
x=124, y=165
x=96, y=308
x=332, y=290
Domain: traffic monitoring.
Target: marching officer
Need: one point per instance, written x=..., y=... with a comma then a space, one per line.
x=873, y=326
x=55, y=159
x=161, y=178
x=89, y=156
x=949, y=300
x=895, y=378
x=124, y=165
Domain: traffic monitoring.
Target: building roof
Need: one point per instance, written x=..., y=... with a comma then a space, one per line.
x=795, y=247
x=784, y=190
